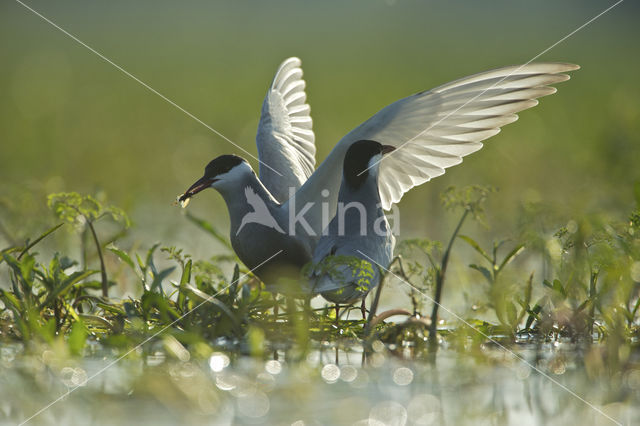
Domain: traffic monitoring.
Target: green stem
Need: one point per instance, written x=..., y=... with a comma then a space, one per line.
x=592, y=296
x=433, y=328
x=103, y=269
x=373, y=309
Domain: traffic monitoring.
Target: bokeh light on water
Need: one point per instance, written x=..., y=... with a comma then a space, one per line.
x=218, y=361
x=221, y=390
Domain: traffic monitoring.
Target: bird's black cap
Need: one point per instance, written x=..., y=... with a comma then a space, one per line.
x=356, y=160
x=221, y=165
x=216, y=167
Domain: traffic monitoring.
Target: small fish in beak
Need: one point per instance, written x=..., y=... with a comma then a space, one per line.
x=183, y=200
x=201, y=184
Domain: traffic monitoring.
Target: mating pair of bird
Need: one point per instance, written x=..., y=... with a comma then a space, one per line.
x=286, y=211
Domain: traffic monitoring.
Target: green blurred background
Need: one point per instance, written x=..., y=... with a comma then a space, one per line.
x=69, y=121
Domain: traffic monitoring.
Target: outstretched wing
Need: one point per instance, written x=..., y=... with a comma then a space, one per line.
x=433, y=130
x=285, y=137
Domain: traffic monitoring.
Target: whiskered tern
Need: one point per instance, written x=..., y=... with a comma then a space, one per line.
x=431, y=130
x=345, y=261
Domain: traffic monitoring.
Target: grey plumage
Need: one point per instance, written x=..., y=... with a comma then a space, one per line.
x=433, y=130
x=345, y=261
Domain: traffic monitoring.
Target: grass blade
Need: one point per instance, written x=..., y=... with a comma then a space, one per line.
x=476, y=247
x=206, y=226
x=40, y=238
x=512, y=254
x=123, y=256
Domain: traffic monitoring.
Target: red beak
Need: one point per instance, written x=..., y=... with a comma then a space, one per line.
x=201, y=184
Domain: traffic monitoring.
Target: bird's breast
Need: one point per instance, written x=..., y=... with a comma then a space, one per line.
x=268, y=253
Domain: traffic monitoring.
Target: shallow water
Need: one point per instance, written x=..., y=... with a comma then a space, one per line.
x=495, y=387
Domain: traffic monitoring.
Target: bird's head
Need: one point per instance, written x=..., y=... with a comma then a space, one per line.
x=363, y=160
x=222, y=173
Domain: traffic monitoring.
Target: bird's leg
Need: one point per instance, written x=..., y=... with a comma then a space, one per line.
x=337, y=308
x=276, y=309
x=363, y=310
x=372, y=314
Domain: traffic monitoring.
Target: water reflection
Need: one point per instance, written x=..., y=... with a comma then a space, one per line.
x=225, y=389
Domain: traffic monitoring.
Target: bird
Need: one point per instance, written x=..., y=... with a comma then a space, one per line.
x=431, y=131
x=256, y=242
x=345, y=263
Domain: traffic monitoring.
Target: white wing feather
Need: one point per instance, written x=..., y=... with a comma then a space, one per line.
x=434, y=129
x=285, y=137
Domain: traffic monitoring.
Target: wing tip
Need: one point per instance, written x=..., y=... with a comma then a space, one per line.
x=283, y=73
x=292, y=60
x=568, y=66
x=557, y=67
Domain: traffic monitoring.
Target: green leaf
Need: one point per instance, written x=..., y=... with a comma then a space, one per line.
x=92, y=284
x=557, y=286
x=118, y=215
x=202, y=297
x=77, y=338
x=512, y=254
x=47, y=330
x=71, y=310
x=159, y=277
x=74, y=208
x=66, y=285
x=512, y=314
x=25, y=272
x=470, y=198
x=528, y=289
x=156, y=300
x=476, y=247
x=583, y=305
x=628, y=315
x=112, y=308
x=149, y=261
x=233, y=290
x=184, y=279
x=484, y=271
x=535, y=311
x=256, y=339
x=635, y=308
x=527, y=298
x=122, y=255
x=65, y=205
x=130, y=308
x=10, y=300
